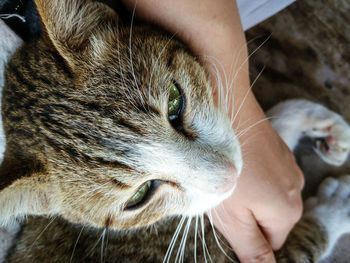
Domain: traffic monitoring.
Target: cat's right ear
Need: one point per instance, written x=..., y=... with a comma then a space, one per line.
x=76, y=28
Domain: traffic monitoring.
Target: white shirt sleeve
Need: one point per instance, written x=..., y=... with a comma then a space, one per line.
x=253, y=12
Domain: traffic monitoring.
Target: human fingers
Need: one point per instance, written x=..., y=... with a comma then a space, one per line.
x=248, y=242
x=276, y=222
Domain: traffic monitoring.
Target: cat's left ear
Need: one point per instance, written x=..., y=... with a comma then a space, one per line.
x=77, y=28
x=23, y=198
x=24, y=190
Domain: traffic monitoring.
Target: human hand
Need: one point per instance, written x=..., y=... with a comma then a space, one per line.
x=267, y=202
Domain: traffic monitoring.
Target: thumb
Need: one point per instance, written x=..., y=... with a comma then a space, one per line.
x=248, y=241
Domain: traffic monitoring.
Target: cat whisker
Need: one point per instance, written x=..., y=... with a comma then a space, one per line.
x=220, y=221
x=76, y=243
x=173, y=240
x=107, y=239
x=119, y=60
x=102, y=243
x=204, y=245
x=246, y=141
x=228, y=87
x=246, y=95
x=42, y=232
x=233, y=65
x=180, y=250
x=95, y=245
x=251, y=126
x=247, y=59
x=215, y=61
x=217, y=238
x=130, y=55
x=219, y=84
x=122, y=75
x=195, y=239
x=94, y=190
x=154, y=228
x=156, y=63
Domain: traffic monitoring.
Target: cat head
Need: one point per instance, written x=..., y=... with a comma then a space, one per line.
x=135, y=137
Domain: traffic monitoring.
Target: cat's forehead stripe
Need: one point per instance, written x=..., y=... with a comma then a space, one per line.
x=120, y=184
x=148, y=109
x=131, y=126
x=112, y=164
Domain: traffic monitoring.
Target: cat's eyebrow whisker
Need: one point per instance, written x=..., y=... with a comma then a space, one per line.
x=217, y=238
x=231, y=86
x=239, y=124
x=247, y=59
x=228, y=87
x=130, y=54
x=173, y=240
x=243, y=144
x=76, y=243
x=236, y=55
x=219, y=82
x=251, y=126
x=122, y=75
x=156, y=63
x=95, y=189
x=246, y=94
x=119, y=60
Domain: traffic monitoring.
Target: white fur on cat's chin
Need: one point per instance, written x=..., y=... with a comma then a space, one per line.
x=203, y=202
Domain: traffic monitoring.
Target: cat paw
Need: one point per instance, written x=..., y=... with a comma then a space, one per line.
x=331, y=206
x=334, y=147
x=329, y=131
x=296, y=118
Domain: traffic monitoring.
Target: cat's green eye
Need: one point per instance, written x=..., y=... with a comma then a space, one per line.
x=140, y=195
x=175, y=101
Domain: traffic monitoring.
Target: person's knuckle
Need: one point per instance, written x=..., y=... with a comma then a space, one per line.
x=295, y=210
x=298, y=210
x=292, y=183
x=261, y=256
x=300, y=178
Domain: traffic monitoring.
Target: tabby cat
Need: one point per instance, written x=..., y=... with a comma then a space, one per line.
x=111, y=134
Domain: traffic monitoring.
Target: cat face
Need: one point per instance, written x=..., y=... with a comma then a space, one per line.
x=136, y=137
x=184, y=165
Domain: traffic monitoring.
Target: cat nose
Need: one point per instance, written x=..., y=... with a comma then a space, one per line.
x=231, y=178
